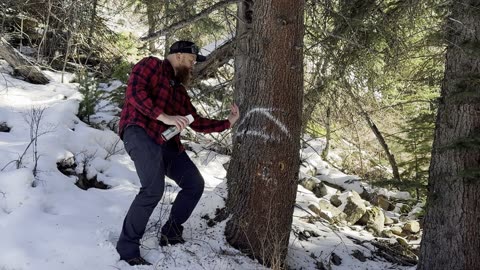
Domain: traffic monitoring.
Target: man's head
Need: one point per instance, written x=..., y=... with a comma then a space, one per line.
x=182, y=56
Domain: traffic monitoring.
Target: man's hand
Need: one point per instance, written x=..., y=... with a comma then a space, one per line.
x=234, y=114
x=180, y=122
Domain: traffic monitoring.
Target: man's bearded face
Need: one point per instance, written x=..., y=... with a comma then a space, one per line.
x=184, y=69
x=183, y=75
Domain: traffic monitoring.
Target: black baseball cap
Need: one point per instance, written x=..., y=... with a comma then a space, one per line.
x=183, y=46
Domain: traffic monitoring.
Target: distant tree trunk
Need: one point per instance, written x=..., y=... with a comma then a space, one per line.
x=166, y=15
x=152, y=23
x=383, y=143
x=451, y=237
x=92, y=22
x=20, y=64
x=312, y=97
x=263, y=173
x=371, y=124
x=327, y=136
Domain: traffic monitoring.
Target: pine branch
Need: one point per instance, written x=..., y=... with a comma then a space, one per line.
x=216, y=59
x=183, y=23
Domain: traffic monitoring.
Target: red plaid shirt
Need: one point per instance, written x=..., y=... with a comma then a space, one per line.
x=151, y=91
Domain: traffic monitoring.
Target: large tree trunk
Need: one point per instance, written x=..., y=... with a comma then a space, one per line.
x=20, y=64
x=451, y=238
x=263, y=173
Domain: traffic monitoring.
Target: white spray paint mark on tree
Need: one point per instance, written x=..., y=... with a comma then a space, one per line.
x=262, y=135
x=266, y=112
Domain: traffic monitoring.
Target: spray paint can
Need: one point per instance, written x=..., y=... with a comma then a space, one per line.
x=172, y=131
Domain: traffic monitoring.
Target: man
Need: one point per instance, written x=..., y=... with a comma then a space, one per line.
x=155, y=100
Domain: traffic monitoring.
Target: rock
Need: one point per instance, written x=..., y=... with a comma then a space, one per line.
x=325, y=205
x=402, y=242
x=320, y=190
x=356, y=228
x=335, y=259
x=396, y=230
x=308, y=169
x=359, y=255
x=365, y=195
x=313, y=233
x=387, y=233
x=315, y=186
x=85, y=183
x=308, y=183
x=412, y=226
x=418, y=212
x=327, y=211
x=373, y=219
x=67, y=166
x=226, y=164
x=388, y=221
x=354, y=208
x=335, y=200
x=412, y=237
x=4, y=127
x=403, y=218
x=383, y=202
x=397, y=207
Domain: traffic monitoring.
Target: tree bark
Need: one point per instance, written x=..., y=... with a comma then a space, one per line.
x=451, y=238
x=263, y=174
x=20, y=64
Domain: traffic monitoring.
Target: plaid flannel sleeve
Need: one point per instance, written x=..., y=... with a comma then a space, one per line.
x=205, y=125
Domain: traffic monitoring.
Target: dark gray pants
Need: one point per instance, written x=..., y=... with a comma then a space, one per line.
x=153, y=162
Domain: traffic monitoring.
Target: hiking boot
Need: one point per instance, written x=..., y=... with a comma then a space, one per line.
x=137, y=261
x=165, y=241
x=171, y=234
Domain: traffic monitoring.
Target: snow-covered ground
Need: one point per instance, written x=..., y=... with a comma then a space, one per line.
x=48, y=223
